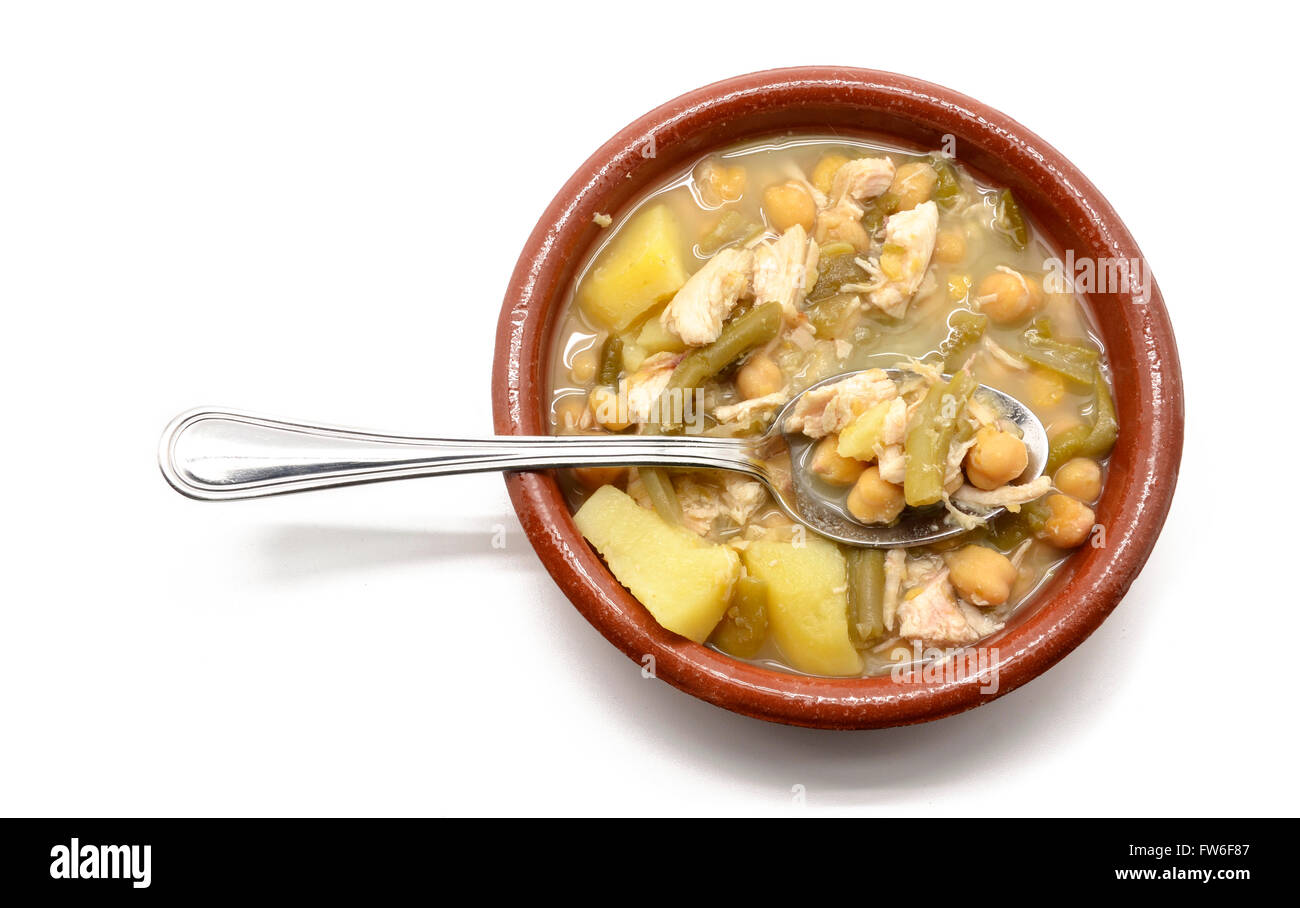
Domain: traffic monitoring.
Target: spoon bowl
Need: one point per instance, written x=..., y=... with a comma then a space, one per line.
x=803, y=501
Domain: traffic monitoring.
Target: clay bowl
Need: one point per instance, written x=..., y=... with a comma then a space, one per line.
x=1148, y=382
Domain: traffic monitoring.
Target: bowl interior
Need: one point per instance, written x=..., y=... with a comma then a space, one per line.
x=1066, y=208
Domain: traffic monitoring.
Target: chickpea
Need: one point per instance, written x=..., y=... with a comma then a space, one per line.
x=595, y=477
x=1008, y=296
x=787, y=204
x=823, y=174
x=585, y=363
x=913, y=184
x=759, y=377
x=1045, y=388
x=950, y=246
x=1070, y=522
x=720, y=183
x=604, y=406
x=569, y=413
x=981, y=575
x=1080, y=478
x=827, y=463
x=997, y=458
x=873, y=500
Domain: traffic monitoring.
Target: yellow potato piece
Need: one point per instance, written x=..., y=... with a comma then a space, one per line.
x=684, y=581
x=641, y=268
x=807, y=603
x=859, y=438
x=655, y=338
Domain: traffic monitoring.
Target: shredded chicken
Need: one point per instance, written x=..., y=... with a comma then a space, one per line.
x=892, y=463
x=982, y=623
x=636, y=489
x=703, y=502
x=895, y=570
x=953, y=476
x=930, y=612
x=1010, y=497
x=894, y=429
x=754, y=408
x=1003, y=355
x=909, y=243
x=703, y=303
x=983, y=412
x=830, y=408
x=782, y=269
x=862, y=179
x=643, y=387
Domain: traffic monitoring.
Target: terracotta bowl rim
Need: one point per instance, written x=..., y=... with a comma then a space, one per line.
x=1068, y=611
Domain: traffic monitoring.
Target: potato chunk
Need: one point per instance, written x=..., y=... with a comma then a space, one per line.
x=642, y=267
x=682, y=580
x=807, y=603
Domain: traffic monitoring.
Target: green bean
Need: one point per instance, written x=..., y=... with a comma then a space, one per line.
x=732, y=227
x=926, y=444
x=1093, y=441
x=663, y=496
x=1006, y=531
x=964, y=328
x=879, y=208
x=947, y=192
x=1075, y=362
x=743, y=628
x=833, y=316
x=1009, y=221
x=611, y=361
x=743, y=333
x=866, y=594
x=833, y=271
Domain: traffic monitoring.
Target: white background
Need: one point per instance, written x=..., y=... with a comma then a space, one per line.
x=312, y=210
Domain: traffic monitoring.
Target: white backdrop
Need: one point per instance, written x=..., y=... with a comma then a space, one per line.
x=312, y=210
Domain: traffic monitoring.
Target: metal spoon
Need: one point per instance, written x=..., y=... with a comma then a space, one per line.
x=215, y=455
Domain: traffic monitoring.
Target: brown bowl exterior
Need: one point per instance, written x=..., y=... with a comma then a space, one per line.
x=1144, y=360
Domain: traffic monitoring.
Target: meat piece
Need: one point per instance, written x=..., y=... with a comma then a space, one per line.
x=742, y=498
x=953, y=477
x=930, y=613
x=752, y=409
x=1010, y=497
x=636, y=489
x=980, y=622
x=644, y=386
x=830, y=408
x=895, y=571
x=892, y=463
x=983, y=412
x=703, y=303
x=842, y=223
x=1003, y=355
x=703, y=502
x=862, y=179
x=782, y=269
x=894, y=429
x=909, y=243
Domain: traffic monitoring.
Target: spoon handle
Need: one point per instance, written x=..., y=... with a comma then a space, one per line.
x=214, y=455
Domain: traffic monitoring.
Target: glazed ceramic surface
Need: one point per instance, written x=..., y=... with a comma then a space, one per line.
x=1134, y=324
